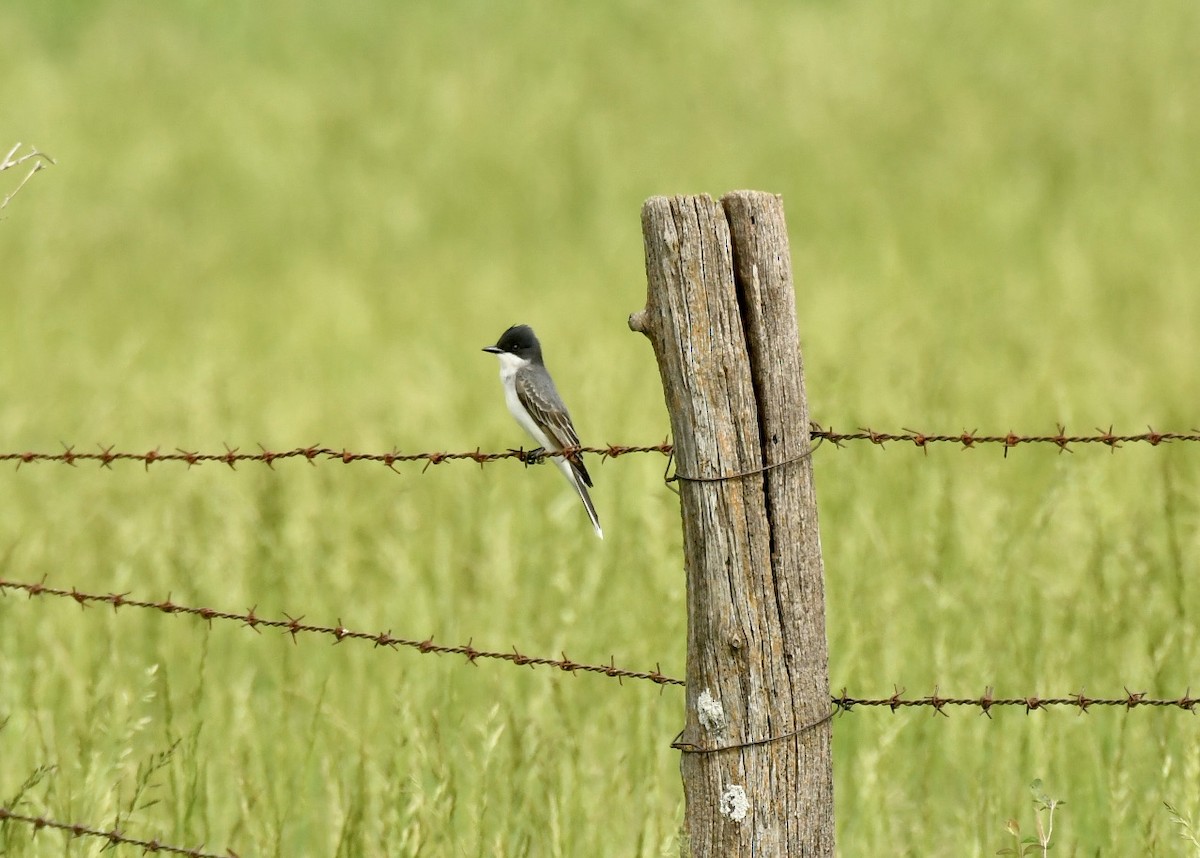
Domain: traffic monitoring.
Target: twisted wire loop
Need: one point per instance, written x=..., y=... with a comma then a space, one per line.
x=106, y=456
x=295, y=626
x=691, y=748
x=720, y=478
x=114, y=836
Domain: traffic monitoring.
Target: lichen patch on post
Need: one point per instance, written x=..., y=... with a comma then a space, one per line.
x=710, y=712
x=734, y=803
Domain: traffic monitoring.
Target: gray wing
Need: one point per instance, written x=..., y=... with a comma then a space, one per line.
x=546, y=408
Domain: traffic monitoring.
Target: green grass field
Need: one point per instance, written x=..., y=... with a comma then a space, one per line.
x=297, y=223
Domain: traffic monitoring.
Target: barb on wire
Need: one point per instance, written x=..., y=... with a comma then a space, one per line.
x=114, y=836
x=1031, y=703
x=295, y=626
x=105, y=456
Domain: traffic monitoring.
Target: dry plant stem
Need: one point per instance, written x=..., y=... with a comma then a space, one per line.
x=11, y=161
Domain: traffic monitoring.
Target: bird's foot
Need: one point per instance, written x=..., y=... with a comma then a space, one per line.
x=531, y=457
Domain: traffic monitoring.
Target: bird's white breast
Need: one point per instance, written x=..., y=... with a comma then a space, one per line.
x=509, y=366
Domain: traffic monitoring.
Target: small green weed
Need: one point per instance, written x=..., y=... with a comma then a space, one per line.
x=1038, y=844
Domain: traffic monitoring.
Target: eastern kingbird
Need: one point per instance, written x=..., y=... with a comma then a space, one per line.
x=534, y=401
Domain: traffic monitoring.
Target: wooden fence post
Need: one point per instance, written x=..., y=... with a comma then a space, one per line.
x=720, y=313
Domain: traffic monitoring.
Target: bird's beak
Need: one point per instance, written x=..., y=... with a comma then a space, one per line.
x=491, y=350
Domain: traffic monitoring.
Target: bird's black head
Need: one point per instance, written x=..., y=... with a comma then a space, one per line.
x=518, y=340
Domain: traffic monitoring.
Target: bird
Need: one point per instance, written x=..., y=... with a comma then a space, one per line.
x=534, y=402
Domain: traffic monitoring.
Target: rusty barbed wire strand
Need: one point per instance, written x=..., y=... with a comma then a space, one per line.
x=969, y=440
x=843, y=702
x=105, y=456
x=233, y=456
x=295, y=626
x=114, y=836
x=1030, y=703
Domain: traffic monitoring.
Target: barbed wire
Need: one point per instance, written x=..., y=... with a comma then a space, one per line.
x=295, y=626
x=114, y=836
x=842, y=702
x=233, y=456
x=968, y=440
x=106, y=456
x=1030, y=703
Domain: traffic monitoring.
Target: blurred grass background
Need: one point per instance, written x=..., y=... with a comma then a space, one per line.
x=291, y=223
